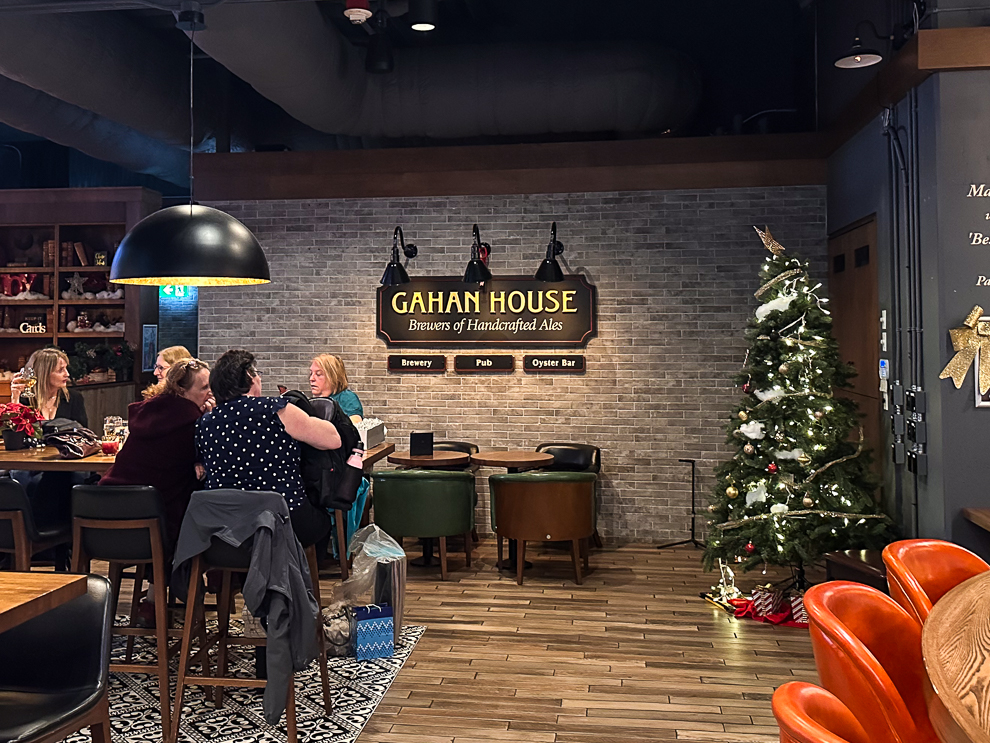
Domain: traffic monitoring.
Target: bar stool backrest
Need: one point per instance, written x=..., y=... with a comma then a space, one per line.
x=65, y=650
x=117, y=503
x=13, y=498
x=573, y=457
x=465, y=447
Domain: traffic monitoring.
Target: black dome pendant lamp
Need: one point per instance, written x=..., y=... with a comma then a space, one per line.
x=190, y=245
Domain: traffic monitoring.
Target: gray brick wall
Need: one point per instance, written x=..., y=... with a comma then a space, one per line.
x=675, y=271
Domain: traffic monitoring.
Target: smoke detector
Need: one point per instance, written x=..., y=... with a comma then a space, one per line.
x=358, y=11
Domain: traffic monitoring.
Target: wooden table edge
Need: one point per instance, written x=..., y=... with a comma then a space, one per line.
x=448, y=458
x=376, y=454
x=539, y=459
x=947, y=727
x=44, y=602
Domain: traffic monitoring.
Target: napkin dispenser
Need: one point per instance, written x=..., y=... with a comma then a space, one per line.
x=421, y=443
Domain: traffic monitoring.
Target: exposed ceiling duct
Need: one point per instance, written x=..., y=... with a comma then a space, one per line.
x=104, y=63
x=291, y=55
x=38, y=113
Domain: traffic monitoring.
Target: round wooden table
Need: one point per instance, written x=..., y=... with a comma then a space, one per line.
x=436, y=459
x=955, y=643
x=513, y=461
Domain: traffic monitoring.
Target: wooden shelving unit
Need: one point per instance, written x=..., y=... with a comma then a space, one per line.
x=90, y=221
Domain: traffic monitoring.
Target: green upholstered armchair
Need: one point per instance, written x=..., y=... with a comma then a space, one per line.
x=544, y=506
x=426, y=504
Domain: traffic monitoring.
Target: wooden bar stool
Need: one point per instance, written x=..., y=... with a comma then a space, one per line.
x=21, y=536
x=230, y=560
x=124, y=526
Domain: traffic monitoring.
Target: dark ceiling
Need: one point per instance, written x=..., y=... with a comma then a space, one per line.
x=756, y=60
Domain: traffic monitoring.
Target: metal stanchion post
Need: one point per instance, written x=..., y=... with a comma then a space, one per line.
x=694, y=515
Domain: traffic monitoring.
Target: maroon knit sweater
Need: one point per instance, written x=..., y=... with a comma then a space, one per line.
x=160, y=451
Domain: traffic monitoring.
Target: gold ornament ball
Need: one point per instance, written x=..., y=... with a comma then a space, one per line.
x=711, y=508
x=749, y=449
x=807, y=502
x=732, y=491
x=743, y=415
x=819, y=415
x=804, y=460
x=783, y=368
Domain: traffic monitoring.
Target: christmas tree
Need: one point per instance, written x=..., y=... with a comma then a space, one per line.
x=799, y=484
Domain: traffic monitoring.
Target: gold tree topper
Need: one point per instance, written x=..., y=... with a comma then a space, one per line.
x=772, y=245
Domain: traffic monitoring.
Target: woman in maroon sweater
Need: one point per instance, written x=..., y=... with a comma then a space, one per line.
x=161, y=448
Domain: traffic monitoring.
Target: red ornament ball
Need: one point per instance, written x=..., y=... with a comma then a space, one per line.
x=772, y=468
x=750, y=548
x=747, y=388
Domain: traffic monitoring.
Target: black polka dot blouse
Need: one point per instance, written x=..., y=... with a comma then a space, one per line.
x=243, y=444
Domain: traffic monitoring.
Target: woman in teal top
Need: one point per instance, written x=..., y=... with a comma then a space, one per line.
x=327, y=378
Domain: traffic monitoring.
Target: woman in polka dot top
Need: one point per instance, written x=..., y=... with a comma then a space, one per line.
x=250, y=442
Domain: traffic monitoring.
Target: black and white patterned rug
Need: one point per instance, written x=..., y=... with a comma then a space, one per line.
x=356, y=687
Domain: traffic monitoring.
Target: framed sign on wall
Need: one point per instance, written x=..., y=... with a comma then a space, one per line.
x=514, y=312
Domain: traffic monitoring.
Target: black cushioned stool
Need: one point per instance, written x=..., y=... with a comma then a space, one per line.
x=124, y=525
x=859, y=566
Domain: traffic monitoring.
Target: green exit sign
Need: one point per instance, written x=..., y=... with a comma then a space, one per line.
x=173, y=292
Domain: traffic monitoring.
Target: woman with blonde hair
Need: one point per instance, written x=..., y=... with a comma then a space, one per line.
x=52, y=396
x=50, y=492
x=328, y=378
x=166, y=358
x=161, y=447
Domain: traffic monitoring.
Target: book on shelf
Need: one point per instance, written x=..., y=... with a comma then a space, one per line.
x=65, y=254
x=81, y=253
x=62, y=319
x=46, y=285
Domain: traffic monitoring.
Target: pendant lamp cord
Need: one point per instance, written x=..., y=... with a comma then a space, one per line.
x=192, y=46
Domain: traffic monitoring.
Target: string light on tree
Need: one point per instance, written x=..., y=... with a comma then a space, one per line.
x=792, y=367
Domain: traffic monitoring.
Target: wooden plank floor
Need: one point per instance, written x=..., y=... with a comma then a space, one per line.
x=632, y=655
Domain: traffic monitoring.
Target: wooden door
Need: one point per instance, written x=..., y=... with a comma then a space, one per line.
x=855, y=308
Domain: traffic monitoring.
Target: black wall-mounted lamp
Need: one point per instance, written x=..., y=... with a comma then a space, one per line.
x=477, y=268
x=859, y=55
x=395, y=273
x=549, y=269
x=423, y=14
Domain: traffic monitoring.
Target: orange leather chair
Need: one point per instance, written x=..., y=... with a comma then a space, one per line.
x=808, y=714
x=868, y=654
x=921, y=571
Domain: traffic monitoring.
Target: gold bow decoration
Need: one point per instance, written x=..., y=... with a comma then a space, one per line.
x=768, y=241
x=971, y=339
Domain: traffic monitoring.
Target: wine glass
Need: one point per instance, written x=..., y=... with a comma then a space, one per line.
x=29, y=379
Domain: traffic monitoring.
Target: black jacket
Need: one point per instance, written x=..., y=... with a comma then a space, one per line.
x=74, y=408
x=277, y=585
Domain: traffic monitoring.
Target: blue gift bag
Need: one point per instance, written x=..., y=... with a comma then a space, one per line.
x=374, y=628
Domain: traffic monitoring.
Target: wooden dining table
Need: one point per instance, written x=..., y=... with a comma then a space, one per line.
x=514, y=460
x=955, y=643
x=426, y=461
x=46, y=459
x=24, y=596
